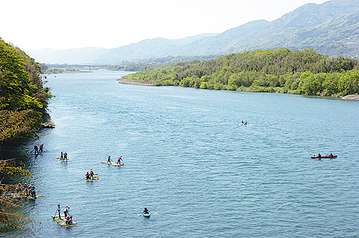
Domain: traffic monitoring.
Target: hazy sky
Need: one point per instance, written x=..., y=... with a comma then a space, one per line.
x=67, y=24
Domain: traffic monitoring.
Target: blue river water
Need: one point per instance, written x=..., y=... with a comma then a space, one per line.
x=191, y=162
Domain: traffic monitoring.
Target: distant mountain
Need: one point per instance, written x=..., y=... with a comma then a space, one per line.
x=71, y=56
x=330, y=28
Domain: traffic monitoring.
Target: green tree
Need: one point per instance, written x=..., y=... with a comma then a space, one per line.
x=349, y=83
x=23, y=99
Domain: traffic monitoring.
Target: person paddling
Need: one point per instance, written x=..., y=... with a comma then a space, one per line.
x=109, y=159
x=59, y=211
x=66, y=211
x=41, y=148
x=19, y=188
x=36, y=149
x=32, y=192
x=26, y=191
x=146, y=211
x=119, y=160
x=62, y=155
x=69, y=220
x=91, y=173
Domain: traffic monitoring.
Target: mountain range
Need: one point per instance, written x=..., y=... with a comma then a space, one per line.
x=330, y=28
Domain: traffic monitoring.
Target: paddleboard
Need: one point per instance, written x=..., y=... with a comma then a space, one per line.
x=63, y=160
x=113, y=163
x=62, y=222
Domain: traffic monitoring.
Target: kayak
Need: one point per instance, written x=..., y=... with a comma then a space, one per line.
x=146, y=215
x=91, y=179
x=62, y=221
x=112, y=163
x=327, y=156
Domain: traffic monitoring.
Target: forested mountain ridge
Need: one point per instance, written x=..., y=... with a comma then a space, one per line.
x=330, y=28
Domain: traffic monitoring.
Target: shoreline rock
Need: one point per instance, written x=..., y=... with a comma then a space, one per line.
x=137, y=82
x=351, y=97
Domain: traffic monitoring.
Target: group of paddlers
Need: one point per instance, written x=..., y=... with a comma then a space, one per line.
x=89, y=175
x=29, y=190
x=63, y=155
x=38, y=150
x=68, y=218
x=119, y=160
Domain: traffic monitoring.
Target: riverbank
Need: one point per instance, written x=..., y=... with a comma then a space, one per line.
x=151, y=83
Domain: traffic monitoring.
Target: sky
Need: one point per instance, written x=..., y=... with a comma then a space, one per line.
x=70, y=24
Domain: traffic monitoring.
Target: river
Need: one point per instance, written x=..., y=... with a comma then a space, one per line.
x=191, y=162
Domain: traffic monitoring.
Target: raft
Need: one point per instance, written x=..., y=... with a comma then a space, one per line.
x=91, y=179
x=62, y=222
x=62, y=160
x=326, y=156
x=32, y=198
x=112, y=163
x=22, y=195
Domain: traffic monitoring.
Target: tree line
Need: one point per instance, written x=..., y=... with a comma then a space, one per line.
x=302, y=72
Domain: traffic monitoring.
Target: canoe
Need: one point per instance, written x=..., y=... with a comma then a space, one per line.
x=112, y=163
x=326, y=156
x=62, y=222
x=146, y=215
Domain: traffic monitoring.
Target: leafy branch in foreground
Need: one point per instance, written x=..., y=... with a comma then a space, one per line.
x=9, y=217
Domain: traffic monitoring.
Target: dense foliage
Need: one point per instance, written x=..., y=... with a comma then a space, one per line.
x=303, y=72
x=23, y=103
x=23, y=99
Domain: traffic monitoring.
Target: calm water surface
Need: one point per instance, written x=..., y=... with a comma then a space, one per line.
x=189, y=160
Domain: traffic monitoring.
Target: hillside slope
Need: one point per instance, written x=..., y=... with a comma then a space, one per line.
x=329, y=28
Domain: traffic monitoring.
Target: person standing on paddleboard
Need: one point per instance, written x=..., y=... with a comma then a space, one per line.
x=59, y=211
x=119, y=160
x=36, y=150
x=66, y=211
